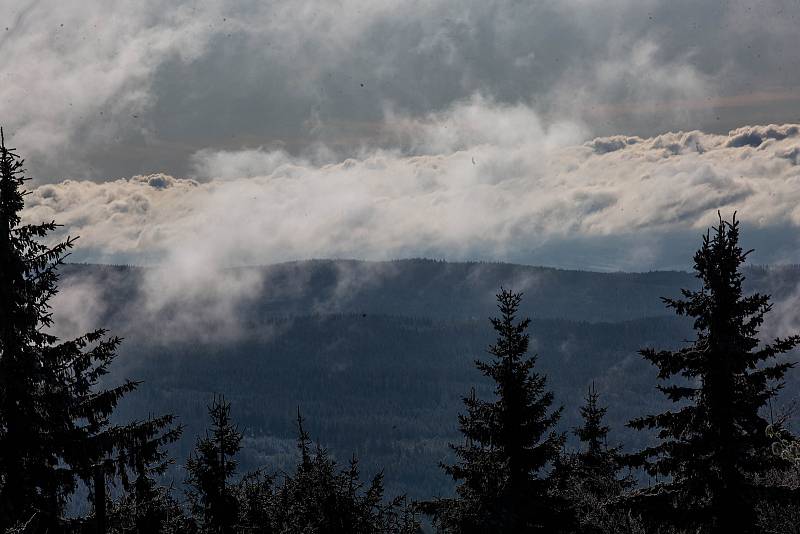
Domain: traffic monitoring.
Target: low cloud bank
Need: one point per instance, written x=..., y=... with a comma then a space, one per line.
x=512, y=190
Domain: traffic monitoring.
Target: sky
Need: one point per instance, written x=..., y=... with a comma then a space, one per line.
x=571, y=133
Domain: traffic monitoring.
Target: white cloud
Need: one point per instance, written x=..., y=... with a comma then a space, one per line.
x=490, y=181
x=477, y=121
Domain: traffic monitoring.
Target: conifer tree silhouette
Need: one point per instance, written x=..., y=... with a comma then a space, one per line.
x=715, y=442
x=321, y=498
x=147, y=507
x=596, y=459
x=501, y=485
x=211, y=466
x=590, y=479
x=54, y=418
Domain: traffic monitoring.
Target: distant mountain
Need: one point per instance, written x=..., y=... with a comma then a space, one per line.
x=378, y=355
x=436, y=289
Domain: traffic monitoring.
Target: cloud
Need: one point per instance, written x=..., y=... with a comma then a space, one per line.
x=476, y=121
x=632, y=79
x=78, y=306
x=75, y=77
x=100, y=90
x=487, y=181
x=755, y=136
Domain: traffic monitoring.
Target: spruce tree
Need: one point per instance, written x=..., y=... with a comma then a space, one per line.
x=211, y=466
x=321, y=498
x=54, y=417
x=714, y=445
x=147, y=507
x=590, y=478
x=596, y=459
x=509, y=442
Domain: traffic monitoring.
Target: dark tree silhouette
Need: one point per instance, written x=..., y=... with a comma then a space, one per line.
x=54, y=418
x=147, y=507
x=501, y=486
x=211, y=466
x=715, y=443
x=321, y=498
x=596, y=459
x=590, y=479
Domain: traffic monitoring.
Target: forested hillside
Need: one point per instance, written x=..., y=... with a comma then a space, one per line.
x=425, y=288
x=378, y=355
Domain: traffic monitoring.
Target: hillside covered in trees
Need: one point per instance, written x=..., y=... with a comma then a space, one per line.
x=381, y=368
